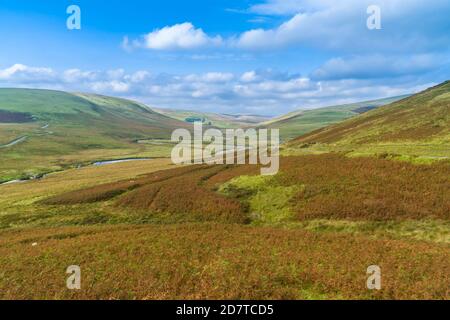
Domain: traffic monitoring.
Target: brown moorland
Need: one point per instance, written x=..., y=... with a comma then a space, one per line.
x=216, y=261
x=330, y=186
x=335, y=186
x=178, y=191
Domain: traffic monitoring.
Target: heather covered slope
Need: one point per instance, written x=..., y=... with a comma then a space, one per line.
x=214, y=261
x=307, y=187
x=225, y=232
x=417, y=125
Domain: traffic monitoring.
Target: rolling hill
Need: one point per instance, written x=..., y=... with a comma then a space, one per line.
x=214, y=119
x=106, y=114
x=300, y=122
x=221, y=231
x=415, y=126
x=44, y=130
x=291, y=125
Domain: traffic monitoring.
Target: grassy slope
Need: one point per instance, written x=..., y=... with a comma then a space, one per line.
x=81, y=128
x=418, y=126
x=300, y=122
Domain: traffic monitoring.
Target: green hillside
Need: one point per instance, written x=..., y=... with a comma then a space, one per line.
x=57, y=129
x=300, y=122
x=417, y=126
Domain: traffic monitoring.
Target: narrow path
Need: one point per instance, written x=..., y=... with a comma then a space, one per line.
x=14, y=142
x=21, y=139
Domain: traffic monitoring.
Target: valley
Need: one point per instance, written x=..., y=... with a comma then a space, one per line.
x=358, y=185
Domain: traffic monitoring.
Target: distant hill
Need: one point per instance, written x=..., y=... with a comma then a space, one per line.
x=214, y=119
x=417, y=125
x=44, y=130
x=300, y=122
x=119, y=117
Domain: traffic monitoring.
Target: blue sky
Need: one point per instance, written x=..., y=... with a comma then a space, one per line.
x=256, y=56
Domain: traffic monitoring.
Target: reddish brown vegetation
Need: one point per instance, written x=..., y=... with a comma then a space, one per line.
x=186, y=194
x=367, y=188
x=110, y=190
x=94, y=194
x=198, y=261
x=332, y=186
x=179, y=191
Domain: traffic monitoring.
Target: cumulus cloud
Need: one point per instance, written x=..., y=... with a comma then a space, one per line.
x=210, y=77
x=77, y=75
x=183, y=36
x=110, y=86
x=20, y=72
x=415, y=25
x=249, y=76
x=265, y=91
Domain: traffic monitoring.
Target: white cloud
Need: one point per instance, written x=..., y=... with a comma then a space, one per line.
x=110, y=86
x=20, y=71
x=416, y=26
x=249, y=76
x=77, y=75
x=138, y=76
x=210, y=77
x=262, y=91
x=178, y=36
x=115, y=74
x=379, y=66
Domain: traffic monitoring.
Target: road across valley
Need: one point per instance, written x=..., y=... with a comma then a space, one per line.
x=21, y=139
x=14, y=142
